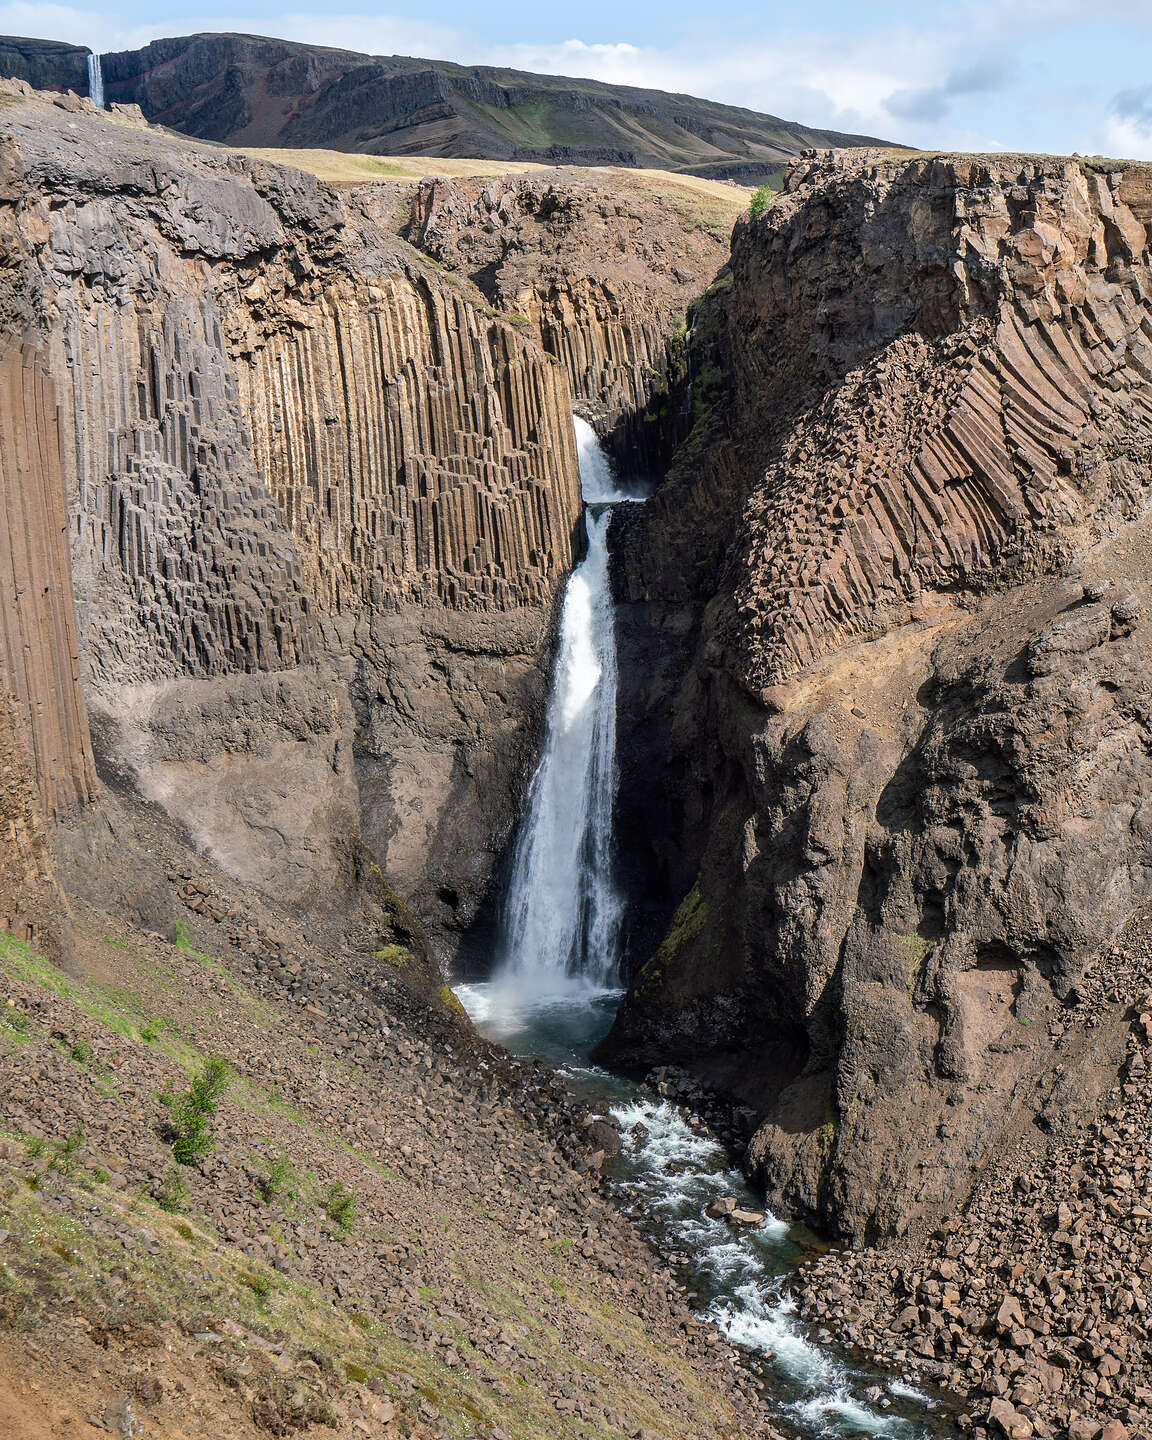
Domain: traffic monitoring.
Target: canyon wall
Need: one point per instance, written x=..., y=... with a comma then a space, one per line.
x=321, y=500
x=886, y=751
x=603, y=274
x=47, y=772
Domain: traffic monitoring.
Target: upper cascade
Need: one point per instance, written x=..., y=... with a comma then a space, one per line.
x=96, y=81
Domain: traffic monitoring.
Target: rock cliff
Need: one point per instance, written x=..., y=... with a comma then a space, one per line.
x=45, y=64
x=47, y=771
x=604, y=273
x=897, y=730
x=320, y=501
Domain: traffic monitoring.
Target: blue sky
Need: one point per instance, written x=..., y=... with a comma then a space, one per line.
x=1048, y=75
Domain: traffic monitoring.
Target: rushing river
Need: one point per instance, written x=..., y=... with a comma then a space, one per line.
x=554, y=990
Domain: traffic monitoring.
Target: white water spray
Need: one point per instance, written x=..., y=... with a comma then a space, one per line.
x=95, y=81
x=562, y=921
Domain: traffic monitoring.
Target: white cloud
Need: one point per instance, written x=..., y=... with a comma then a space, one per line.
x=941, y=85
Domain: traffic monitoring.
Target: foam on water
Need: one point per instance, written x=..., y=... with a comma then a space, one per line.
x=675, y=1172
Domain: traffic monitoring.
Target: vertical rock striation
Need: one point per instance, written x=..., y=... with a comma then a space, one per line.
x=307, y=476
x=46, y=767
x=604, y=276
x=897, y=580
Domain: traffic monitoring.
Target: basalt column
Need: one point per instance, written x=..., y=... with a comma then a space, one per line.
x=46, y=767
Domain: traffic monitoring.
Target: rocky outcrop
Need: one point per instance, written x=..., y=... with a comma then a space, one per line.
x=44, y=64
x=250, y=90
x=919, y=668
x=1033, y=1347
x=321, y=502
x=604, y=275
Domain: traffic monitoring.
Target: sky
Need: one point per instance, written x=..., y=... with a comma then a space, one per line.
x=1037, y=75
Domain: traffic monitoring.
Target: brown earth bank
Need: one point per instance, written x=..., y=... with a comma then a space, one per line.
x=884, y=733
x=394, y=1230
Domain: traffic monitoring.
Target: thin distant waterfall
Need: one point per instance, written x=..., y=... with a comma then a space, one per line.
x=95, y=81
x=562, y=919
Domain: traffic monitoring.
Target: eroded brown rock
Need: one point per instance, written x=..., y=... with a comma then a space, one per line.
x=917, y=814
x=605, y=275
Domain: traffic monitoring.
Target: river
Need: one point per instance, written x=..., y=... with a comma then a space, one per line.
x=553, y=992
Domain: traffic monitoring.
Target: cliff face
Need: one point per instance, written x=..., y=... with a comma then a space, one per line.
x=46, y=767
x=604, y=276
x=44, y=64
x=322, y=500
x=921, y=659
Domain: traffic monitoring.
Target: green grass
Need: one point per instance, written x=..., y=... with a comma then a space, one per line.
x=340, y=1206
x=173, y=1192
x=81, y=1051
x=280, y=1182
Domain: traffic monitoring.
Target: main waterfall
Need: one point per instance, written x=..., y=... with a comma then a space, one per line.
x=562, y=918
x=552, y=994
x=559, y=947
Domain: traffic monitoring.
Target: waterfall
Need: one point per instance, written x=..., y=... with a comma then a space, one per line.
x=95, y=81
x=562, y=917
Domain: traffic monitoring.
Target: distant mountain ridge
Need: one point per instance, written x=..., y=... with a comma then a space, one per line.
x=249, y=90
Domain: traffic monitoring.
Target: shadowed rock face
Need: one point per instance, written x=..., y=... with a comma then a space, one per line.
x=898, y=750
x=320, y=502
x=44, y=64
x=604, y=275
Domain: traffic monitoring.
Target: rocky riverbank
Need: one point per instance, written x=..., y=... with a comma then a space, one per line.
x=1031, y=1303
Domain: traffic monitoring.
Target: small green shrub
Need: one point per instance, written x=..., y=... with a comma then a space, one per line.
x=280, y=1180
x=340, y=1205
x=35, y=1145
x=192, y=1111
x=762, y=201
x=172, y=1193
x=258, y=1283
x=15, y=1020
x=81, y=1051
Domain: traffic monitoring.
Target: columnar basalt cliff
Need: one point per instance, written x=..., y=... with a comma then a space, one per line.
x=604, y=274
x=919, y=665
x=46, y=768
x=323, y=501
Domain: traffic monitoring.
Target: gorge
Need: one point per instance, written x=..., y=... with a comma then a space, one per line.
x=319, y=656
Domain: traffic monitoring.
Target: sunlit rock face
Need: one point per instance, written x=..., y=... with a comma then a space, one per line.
x=319, y=500
x=604, y=271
